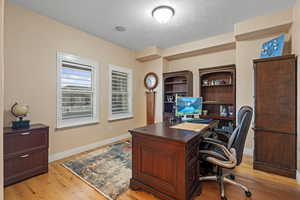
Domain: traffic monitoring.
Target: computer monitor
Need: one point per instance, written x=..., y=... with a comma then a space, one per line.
x=188, y=106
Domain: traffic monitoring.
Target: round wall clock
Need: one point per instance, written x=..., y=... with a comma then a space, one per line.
x=151, y=81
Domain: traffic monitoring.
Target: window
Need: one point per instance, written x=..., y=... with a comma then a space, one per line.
x=77, y=102
x=120, y=96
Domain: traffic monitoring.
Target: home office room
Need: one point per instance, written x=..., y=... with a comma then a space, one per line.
x=163, y=99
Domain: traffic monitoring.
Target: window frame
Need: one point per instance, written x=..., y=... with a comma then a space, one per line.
x=83, y=63
x=113, y=117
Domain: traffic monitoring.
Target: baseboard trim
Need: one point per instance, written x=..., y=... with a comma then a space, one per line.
x=58, y=156
x=248, y=152
x=298, y=177
x=88, y=147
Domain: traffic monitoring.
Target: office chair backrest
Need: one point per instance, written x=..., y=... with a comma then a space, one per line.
x=238, y=137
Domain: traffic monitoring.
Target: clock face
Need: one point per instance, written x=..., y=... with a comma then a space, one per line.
x=151, y=81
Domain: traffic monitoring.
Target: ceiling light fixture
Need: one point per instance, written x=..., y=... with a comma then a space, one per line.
x=120, y=28
x=163, y=14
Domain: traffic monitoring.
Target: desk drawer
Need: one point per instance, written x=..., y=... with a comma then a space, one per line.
x=25, y=165
x=17, y=143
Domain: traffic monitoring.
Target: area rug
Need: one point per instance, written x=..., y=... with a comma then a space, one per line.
x=108, y=170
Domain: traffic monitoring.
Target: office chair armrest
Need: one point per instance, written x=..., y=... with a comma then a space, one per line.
x=230, y=154
x=229, y=164
x=213, y=140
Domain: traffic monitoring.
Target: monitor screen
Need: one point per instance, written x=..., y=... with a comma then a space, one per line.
x=188, y=106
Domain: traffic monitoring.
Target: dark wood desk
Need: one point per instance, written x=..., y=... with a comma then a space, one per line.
x=165, y=161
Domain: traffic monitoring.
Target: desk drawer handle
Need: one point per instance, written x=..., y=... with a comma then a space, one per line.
x=24, y=156
x=26, y=133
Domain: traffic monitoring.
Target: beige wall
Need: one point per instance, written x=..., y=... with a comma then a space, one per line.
x=155, y=66
x=31, y=44
x=1, y=93
x=211, y=42
x=264, y=25
x=194, y=63
x=296, y=49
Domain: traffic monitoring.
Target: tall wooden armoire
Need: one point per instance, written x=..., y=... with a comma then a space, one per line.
x=275, y=115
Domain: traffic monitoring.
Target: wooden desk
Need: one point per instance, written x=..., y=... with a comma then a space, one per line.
x=165, y=161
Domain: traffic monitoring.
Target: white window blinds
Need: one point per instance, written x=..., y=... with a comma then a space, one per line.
x=76, y=93
x=120, y=93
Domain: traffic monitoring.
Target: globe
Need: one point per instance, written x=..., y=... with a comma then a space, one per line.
x=20, y=110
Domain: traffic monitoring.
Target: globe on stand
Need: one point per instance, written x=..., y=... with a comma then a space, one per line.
x=20, y=111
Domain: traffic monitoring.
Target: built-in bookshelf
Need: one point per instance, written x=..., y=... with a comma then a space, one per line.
x=218, y=89
x=176, y=84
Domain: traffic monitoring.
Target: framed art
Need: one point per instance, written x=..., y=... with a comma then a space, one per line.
x=273, y=47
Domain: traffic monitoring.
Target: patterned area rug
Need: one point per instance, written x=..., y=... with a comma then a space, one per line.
x=108, y=170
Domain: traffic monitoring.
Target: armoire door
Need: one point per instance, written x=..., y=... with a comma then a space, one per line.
x=275, y=115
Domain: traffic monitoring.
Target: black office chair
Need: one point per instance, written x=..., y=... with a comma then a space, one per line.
x=228, y=155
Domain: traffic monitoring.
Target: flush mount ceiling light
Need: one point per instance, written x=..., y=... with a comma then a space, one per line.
x=163, y=14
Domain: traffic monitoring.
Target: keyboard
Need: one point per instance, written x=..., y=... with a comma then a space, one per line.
x=200, y=121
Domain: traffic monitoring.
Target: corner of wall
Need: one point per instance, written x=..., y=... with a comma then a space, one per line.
x=298, y=177
x=248, y=151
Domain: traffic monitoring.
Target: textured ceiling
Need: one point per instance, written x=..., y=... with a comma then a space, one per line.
x=194, y=19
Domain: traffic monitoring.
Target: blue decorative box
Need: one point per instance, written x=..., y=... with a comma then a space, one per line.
x=273, y=47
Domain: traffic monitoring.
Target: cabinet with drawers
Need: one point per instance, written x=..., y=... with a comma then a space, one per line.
x=25, y=152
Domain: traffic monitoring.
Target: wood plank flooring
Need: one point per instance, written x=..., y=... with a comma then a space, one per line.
x=60, y=184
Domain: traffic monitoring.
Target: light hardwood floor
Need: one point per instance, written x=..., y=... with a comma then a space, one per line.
x=60, y=184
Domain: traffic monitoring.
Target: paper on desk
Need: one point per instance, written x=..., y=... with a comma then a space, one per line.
x=190, y=126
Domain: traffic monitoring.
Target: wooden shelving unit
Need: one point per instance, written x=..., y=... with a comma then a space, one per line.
x=217, y=103
x=176, y=92
x=217, y=117
x=176, y=84
x=221, y=85
x=218, y=88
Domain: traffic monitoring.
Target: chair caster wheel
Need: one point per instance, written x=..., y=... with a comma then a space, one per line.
x=223, y=198
x=232, y=177
x=248, y=193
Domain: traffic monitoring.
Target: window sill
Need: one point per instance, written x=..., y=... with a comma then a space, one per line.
x=76, y=125
x=115, y=119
